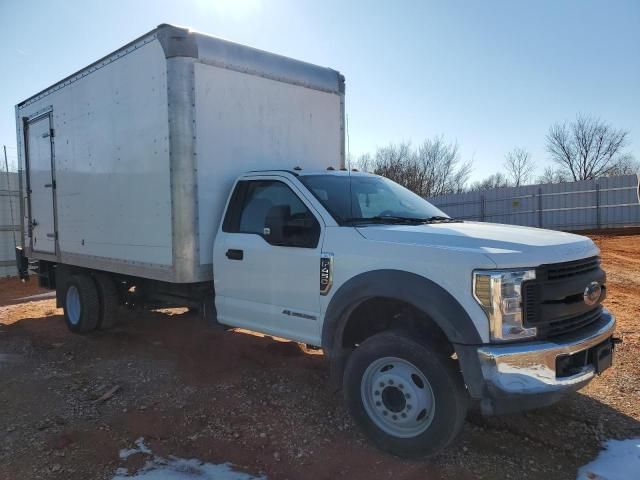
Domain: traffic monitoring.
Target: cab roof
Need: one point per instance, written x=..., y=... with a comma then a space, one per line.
x=303, y=173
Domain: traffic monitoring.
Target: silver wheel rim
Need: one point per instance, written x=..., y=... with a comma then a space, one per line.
x=397, y=397
x=73, y=305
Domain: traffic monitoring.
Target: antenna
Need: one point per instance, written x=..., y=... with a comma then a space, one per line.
x=349, y=171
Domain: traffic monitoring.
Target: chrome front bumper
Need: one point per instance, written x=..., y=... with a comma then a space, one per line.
x=530, y=368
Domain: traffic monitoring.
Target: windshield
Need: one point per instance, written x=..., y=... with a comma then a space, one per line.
x=373, y=198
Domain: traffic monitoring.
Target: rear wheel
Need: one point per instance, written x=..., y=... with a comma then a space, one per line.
x=81, y=304
x=109, y=301
x=407, y=397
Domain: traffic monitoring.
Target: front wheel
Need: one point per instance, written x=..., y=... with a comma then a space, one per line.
x=407, y=397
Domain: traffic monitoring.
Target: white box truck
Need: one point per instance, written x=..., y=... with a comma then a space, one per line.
x=185, y=170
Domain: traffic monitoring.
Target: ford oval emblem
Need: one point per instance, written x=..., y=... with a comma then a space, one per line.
x=592, y=293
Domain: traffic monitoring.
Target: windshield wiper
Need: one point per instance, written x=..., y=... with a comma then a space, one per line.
x=440, y=218
x=385, y=219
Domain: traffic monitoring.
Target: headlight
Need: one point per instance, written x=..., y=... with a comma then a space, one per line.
x=500, y=295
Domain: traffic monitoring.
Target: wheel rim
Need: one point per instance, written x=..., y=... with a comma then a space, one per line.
x=72, y=305
x=397, y=397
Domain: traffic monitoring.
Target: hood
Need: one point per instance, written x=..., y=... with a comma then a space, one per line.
x=507, y=245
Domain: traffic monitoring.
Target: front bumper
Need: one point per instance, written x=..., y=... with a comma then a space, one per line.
x=517, y=377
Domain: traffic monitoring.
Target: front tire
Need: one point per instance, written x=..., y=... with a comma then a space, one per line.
x=407, y=397
x=81, y=304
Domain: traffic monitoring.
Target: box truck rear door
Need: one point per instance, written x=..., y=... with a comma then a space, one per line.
x=39, y=142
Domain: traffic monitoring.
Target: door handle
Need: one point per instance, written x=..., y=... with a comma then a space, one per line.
x=233, y=254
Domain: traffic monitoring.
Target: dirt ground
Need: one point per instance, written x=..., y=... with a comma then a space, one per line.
x=69, y=403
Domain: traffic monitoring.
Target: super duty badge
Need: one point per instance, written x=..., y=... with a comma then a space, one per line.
x=326, y=273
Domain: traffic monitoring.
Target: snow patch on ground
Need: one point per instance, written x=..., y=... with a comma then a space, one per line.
x=173, y=468
x=620, y=460
x=140, y=448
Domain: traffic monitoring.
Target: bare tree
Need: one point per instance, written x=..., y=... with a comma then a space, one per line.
x=442, y=171
x=363, y=162
x=587, y=148
x=519, y=166
x=496, y=180
x=625, y=166
x=553, y=175
x=398, y=163
x=434, y=168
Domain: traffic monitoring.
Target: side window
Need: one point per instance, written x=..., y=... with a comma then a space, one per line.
x=272, y=210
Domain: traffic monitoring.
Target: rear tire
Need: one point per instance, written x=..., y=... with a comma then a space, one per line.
x=109, y=301
x=407, y=397
x=81, y=303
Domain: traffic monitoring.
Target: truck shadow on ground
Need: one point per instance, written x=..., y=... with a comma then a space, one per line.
x=210, y=393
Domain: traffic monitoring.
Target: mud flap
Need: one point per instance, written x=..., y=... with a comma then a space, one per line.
x=22, y=262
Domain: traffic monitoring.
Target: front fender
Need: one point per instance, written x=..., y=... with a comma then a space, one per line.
x=422, y=293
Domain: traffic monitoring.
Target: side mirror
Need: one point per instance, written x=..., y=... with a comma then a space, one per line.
x=274, y=224
x=281, y=229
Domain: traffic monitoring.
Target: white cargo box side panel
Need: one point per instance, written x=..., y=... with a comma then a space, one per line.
x=247, y=122
x=111, y=163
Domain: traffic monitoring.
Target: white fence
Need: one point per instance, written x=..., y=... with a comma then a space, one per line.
x=604, y=203
x=9, y=223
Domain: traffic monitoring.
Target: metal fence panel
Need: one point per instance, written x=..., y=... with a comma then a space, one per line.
x=610, y=202
x=9, y=220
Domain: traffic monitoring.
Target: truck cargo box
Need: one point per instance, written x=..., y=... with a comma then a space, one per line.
x=126, y=164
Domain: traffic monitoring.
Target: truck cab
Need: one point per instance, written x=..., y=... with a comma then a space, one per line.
x=421, y=315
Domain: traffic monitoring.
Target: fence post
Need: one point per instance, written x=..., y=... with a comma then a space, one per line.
x=539, y=207
x=482, y=207
x=598, y=221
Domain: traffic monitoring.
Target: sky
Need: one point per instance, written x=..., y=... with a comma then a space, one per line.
x=490, y=75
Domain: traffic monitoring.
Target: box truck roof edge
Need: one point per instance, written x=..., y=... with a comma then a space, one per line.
x=183, y=42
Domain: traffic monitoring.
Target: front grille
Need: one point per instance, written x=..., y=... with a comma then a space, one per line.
x=570, y=269
x=553, y=302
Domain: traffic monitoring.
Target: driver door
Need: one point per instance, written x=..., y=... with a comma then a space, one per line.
x=267, y=261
